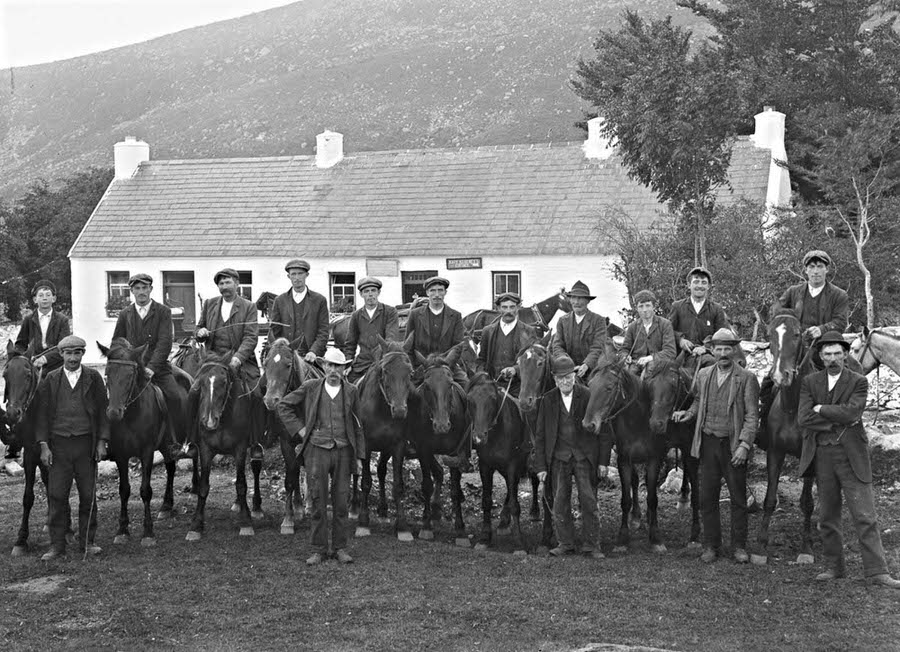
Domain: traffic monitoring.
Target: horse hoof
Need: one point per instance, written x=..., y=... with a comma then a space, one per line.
x=620, y=549
x=235, y=507
x=406, y=537
x=805, y=558
x=363, y=531
x=258, y=513
x=694, y=545
x=463, y=542
x=148, y=542
x=520, y=553
x=246, y=531
x=481, y=546
x=758, y=560
x=658, y=548
x=120, y=539
x=193, y=535
x=504, y=531
x=426, y=535
x=287, y=529
x=18, y=551
x=164, y=515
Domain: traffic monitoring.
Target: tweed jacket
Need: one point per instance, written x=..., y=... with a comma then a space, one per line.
x=300, y=408
x=30, y=335
x=593, y=336
x=834, y=306
x=242, y=332
x=155, y=330
x=743, y=405
x=94, y=399
x=524, y=334
x=548, y=428
x=658, y=342
x=362, y=331
x=843, y=415
x=424, y=341
x=697, y=326
x=314, y=328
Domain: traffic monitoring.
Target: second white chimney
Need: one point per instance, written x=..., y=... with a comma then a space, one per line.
x=329, y=149
x=128, y=155
x=597, y=145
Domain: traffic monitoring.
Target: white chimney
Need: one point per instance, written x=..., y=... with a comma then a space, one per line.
x=769, y=129
x=128, y=155
x=770, y=135
x=597, y=145
x=329, y=149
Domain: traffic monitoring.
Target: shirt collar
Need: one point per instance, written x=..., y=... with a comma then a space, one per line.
x=814, y=292
x=580, y=319
x=299, y=296
x=332, y=391
x=433, y=311
x=508, y=328
x=698, y=305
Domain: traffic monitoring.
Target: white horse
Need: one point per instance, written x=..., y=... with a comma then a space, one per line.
x=878, y=346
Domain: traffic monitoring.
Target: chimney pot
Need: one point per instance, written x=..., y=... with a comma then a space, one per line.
x=128, y=155
x=597, y=146
x=329, y=149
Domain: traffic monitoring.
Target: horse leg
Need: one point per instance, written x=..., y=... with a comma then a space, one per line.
x=774, y=462
x=256, y=467
x=635, y=520
x=535, y=512
x=692, y=474
x=487, y=503
x=426, y=533
x=456, y=496
x=165, y=510
x=198, y=522
x=437, y=472
x=806, y=506
x=30, y=463
x=513, y=476
x=652, y=475
x=503, y=527
x=401, y=526
x=547, y=525
x=625, y=480
x=383, y=460
x=122, y=534
x=362, y=528
x=147, y=539
x=290, y=485
x=354, y=496
x=245, y=521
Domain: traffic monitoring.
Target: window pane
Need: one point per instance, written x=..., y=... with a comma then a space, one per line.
x=246, y=278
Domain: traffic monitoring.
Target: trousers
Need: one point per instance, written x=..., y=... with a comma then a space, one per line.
x=323, y=464
x=73, y=458
x=715, y=464
x=563, y=522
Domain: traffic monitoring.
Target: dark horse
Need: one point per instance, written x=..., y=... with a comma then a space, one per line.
x=501, y=439
x=539, y=315
x=226, y=413
x=619, y=397
x=138, y=422
x=283, y=372
x=187, y=358
x=438, y=427
x=22, y=380
x=384, y=395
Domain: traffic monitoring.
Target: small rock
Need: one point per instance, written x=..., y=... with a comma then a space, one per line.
x=14, y=469
x=106, y=469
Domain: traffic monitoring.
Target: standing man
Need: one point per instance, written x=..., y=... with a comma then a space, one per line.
x=581, y=334
x=697, y=317
x=229, y=326
x=648, y=338
x=436, y=327
x=570, y=450
x=146, y=322
x=323, y=413
x=831, y=407
x=726, y=429
x=371, y=320
x=502, y=340
x=72, y=429
x=305, y=312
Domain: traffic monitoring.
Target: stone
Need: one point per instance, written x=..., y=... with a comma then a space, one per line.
x=107, y=469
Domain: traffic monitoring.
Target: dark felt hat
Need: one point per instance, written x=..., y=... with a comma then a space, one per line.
x=832, y=337
x=436, y=280
x=508, y=296
x=699, y=270
x=140, y=278
x=226, y=272
x=71, y=343
x=368, y=282
x=297, y=263
x=816, y=254
x=725, y=336
x=563, y=366
x=579, y=289
x=43, y=283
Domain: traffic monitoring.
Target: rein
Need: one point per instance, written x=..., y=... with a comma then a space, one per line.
x=381, y=367
x=131, y=363
x=32, y=389
x=627, y=403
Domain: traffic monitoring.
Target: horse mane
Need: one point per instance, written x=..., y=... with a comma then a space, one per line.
x=480, y=378
x=281, y=346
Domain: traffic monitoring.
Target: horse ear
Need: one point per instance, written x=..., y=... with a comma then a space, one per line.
x=421, y=358
x=201, y=352
x=452, y=356
x=138, y=353
x=10, y=348
x=104, y=350
x=679, y=359
x=408, y=342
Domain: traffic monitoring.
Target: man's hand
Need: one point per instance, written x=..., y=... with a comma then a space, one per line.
x=680, y=416
x=816, y=408
x=101, y=450
x=235, y=362
x=40, y=362
x=581, y=370
x=310, y=357
x=299, y=447
x=148, y=372
x=814, y=332
x=542, y=475
x=507, y=373
x=201, y=333
x=740, y=455
x=686, y=345
x=46, y=455
x=699, y=350
x=644, y=360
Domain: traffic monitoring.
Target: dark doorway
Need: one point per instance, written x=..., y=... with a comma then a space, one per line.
x=413, y=283
x=179, y=292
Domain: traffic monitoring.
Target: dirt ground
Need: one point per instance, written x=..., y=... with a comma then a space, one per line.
x=228, y=592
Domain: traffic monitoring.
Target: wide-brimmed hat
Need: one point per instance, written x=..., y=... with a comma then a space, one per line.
x=832, y=337
x=297, y=263
x=436, y=280
x=71, y=343
x=141, y=278
x=563, y=366
x=816, y=254
x=334, y=356
x=699, y=270
x=226, y=272
x=725, y=336
x=43, y=283
x=508, y=296
x=579, y=289
x=368, y=282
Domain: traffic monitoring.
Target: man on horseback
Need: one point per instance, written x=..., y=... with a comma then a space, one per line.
x=819, y=305
x=726, y=415
x=832, y=402
x=435, y=327
x=73, y=430
x=323, y=412
x=502, y=340
x=229, y=325
x=649, y=337
x=146, y=322
x=581, y=334
x=304, y=311
x=371, y=320
x=697, y=317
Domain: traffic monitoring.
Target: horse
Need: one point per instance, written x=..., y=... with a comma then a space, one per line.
x=878, y=346
x=187, y=357
x=138, y=423
x=503, y=444
x=538, y=315
x=283, y=372
x=225, y=415
x=22, y=380
x=438, y=427
x=384, y=395
x=619, y=397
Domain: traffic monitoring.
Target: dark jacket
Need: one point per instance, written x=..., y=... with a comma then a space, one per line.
x=155, y=330
x=524, y=333
x=843, y=415
x=362, y=331
x=424, y=341
x=593, y=339
x=315, y=322
x=659, y=342
x=299, y=409
x=93, y=397
x=696, y=327
x=548, y=428
x=242, y=334
x=834, y=306
x=30, y=335
x=743, y=405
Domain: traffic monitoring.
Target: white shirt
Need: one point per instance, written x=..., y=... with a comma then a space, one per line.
x=435, y=312
x=332, y=391
x=371, y=313
x=44, y=321
x=73, y=376
x=226, y=309
x=698, y=305
x=299, y=296
x=567, y=400
x=580, y=319
x=832, y=381
x=143, y=310
x=507, y=328
x=814, y=292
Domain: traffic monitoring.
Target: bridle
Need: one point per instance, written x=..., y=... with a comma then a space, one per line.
x=614, y=397
x=387, y=357
x=229, y=380
x=134, y=380
x=35, y=382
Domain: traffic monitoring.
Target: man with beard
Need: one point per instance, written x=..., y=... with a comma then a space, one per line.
x=697, y=317
x=502, y=340
x=726, y=417
x=366, y=324
x=305, y=312
x=832, y=402
x=581, y=334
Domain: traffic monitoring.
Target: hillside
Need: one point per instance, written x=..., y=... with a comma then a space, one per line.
x=388, y=74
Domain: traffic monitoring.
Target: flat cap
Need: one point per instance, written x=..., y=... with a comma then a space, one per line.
x=43, y=283
x=699, y=270
x=71, y=343
x=725, y=336
x=297, y=263
x=226, y=272
x=436, y=280
x=368, y=282
x=508, y=296
x=563, y=366
x=832, y=337
x=816, y=254
x=140, y=278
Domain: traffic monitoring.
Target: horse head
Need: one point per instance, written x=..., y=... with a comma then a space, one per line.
x=437, y=390
x=22, y=379
x=483, y=400
x=394, y=372
x=785, y=343
x=667, y=386
x=124, y=375
x=281, y=366
x=534, y=374
x=564, y=304
x=214, y=383
x=610, y=387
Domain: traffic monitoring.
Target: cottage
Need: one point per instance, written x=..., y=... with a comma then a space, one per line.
x=523, y=218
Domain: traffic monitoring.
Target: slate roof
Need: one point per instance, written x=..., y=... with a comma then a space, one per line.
x=521, y=200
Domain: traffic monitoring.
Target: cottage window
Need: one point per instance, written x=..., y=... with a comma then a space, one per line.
x=246, y=281
x=118, y=294
x=507, y=282
x=414, y=283
x=343, y=292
